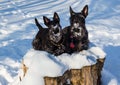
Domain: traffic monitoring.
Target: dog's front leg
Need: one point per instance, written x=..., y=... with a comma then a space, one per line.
x=60, y=50
x=79, y=47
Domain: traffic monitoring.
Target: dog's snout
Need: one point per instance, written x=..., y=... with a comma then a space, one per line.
x=56, y=31
x=76, y=30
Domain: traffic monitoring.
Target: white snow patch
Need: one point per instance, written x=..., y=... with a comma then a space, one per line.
x=98, y=52
x=41, y=64
x=4, y=73
x=113, y=82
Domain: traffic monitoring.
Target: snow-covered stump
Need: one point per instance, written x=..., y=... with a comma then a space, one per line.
x=88, y=75
x=42, y=68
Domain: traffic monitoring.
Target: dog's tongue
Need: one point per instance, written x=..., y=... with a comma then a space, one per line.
x=72, y=45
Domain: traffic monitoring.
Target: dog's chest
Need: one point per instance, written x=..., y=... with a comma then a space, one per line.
x=52, y=46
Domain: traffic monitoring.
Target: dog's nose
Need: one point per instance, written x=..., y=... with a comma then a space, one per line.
x=56, y=31
x=76, y=30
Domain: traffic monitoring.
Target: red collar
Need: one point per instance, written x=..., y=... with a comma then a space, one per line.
x=72, y=45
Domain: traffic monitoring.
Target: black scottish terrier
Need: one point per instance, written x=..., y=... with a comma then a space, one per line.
x=49, y=39
x=76, y=34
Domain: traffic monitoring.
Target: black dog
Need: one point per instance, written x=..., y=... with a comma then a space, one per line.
x=76, y=34
x=49, y=39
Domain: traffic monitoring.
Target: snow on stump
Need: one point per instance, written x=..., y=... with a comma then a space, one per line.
x=83, y=68
x=88, y=75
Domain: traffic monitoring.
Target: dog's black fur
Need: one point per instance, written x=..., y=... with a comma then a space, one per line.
x=76, y=34
x=37, y=41
x=49, y=39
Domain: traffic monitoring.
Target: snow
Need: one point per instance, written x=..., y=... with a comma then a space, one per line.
x=41, y=64
x=84, y=58
x=17, y=29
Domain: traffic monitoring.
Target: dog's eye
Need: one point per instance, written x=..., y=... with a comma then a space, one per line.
x=82, y=19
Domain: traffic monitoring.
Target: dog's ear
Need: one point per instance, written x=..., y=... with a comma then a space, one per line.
x=85, y=11
x=46, y=20
x=56, y=17
x=38, y=24
x=71, y=11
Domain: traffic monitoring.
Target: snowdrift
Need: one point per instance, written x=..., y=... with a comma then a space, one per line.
x=41, y=64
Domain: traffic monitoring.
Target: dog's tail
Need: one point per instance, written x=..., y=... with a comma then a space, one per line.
x=38, y=24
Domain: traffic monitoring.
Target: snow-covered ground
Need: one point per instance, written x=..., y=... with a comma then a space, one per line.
x=17, y=29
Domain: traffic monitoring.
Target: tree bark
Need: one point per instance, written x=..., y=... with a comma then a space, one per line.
x=88, y=75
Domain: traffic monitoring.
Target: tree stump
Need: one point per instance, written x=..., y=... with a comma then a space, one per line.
x=88, y=75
